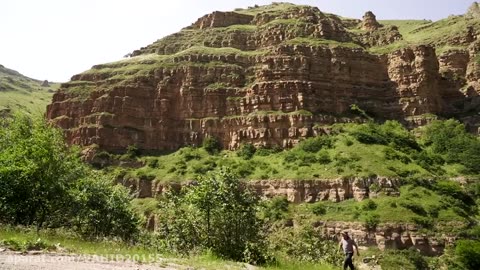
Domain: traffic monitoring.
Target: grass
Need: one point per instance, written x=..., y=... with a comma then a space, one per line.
x=20, y=93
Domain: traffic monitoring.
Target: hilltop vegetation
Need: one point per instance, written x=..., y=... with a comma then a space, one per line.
x=20, y=93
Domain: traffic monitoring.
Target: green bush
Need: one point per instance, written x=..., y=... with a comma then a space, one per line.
x=100, y=209
x=133, y=151
x=267, y=151
x=318, y=209
x=152, y=163
x=424, y=222
x=246, y=151
x=369, y=205
x=468, y=253
x=371, y=221
x=276, y=208
x=414, y=207
x=211, y=145
x=313, y=145
x=305, y=244
x=324, y=157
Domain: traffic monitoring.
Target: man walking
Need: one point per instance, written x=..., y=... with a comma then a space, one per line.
x=347, y=244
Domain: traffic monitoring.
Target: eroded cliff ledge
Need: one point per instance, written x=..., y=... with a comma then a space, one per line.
x=270, y=76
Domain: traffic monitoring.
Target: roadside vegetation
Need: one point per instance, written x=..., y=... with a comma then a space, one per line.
x=51, y=200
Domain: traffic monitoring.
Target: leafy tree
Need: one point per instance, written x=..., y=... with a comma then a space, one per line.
x=44, y=183
x=36, y=171
x=221, y=216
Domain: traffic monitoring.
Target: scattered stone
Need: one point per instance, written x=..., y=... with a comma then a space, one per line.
x=45, y=83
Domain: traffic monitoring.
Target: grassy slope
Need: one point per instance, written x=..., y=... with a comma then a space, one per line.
x=18, y=92
x=417, y=32
x=348, y=157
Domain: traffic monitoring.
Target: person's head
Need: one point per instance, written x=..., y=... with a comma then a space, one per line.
x=345, y=235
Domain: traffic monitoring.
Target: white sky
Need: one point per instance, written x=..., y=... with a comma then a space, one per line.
x=56, y=39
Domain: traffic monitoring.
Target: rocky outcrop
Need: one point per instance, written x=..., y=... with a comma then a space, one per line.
x=381, y=37
x=473, y=11
x=370, y=22
x=335, y=190
x=221, y=19
x=390, y=236
x=296, y=191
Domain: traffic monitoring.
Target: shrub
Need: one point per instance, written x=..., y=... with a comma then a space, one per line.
x=133, y=151
x=375, y=187
x=37, y=171
x=152, y=163
x=290, y=157
x=468, y=253
x=369, y=133
x=369, y=205
x=246, y=151
x=306, y=159
x=324, y=157
x=306, y=244
x=211, y=145
x=414, y=207
x=371, y=221
x=100, y=209
x=424, y=222
x=313, y=145
x=264, y=151
x=318, y=209
x=276, y=208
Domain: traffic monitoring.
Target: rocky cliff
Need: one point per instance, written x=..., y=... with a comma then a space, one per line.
x=271, y=75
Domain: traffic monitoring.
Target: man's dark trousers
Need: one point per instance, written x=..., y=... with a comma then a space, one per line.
x=348, y=261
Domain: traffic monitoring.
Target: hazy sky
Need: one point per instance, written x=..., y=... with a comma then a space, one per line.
x=55, y=39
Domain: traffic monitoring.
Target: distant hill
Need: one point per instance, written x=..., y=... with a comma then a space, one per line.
x=21, y=93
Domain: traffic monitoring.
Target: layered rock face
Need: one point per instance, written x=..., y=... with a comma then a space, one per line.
x=296, y=191
x=267, y=77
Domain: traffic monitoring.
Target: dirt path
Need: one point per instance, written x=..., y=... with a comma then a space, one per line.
x=68, y=262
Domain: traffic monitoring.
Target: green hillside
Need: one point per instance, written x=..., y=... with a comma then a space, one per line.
x=21, y=93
